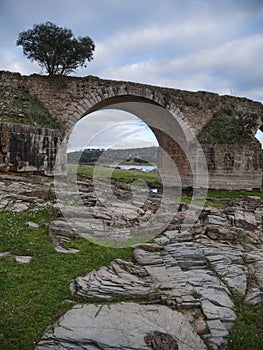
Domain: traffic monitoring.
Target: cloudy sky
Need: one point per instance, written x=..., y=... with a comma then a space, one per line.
x=194, y=45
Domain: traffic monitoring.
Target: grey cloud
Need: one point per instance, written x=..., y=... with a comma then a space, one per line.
x=194, y=45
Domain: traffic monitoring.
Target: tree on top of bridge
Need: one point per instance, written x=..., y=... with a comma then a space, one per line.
x=55, y=48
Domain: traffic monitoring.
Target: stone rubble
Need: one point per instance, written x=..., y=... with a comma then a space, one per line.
x=197, y=271
x=17, y=193
x=191, y=275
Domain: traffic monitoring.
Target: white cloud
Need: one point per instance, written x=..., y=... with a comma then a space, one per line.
x=110, y=129
x=233, y=67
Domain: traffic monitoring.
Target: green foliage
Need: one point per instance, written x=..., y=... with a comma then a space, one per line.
x=195, y=294
x=18, y=106
x=228, y=128
x=113, y=156
x=247, y=333
x=55, y=49
x=35, y=295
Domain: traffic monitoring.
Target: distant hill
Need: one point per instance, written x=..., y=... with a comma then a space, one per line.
x=114, y=156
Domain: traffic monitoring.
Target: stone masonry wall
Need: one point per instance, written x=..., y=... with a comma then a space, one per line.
x=69, y=98
x=230, y=166
x=234, y=166
x=28, y=148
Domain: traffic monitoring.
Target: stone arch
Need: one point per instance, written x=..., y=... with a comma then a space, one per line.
x=172, y=130
x=68, y=99
x=108, y=96
x=261, y=126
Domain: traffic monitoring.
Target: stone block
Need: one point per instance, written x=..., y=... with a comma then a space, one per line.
x=216, y=220
x=217, y=232
x=245, y=220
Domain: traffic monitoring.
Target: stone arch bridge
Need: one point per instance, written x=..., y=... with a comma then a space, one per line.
x=176, y=117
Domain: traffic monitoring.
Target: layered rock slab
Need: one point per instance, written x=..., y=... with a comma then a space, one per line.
x=179, y=276
x=123, y=326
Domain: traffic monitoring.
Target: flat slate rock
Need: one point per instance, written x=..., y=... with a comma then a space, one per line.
x=23, y=259
x=123, y=326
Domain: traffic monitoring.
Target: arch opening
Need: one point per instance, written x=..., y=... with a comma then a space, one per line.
x=174, y=136
x=176, y=140
x=110, y=128
x=259, y=135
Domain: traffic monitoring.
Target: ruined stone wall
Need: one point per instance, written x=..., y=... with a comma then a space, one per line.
x=230, y=166
x=28, y=148
x=234, y=166
x=69, y=98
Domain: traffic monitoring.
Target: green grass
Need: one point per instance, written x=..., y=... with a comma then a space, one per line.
x=123, y=175
x=216, y=198
x=247, y=333
x=223, y=194
x=237, y=128
x=151, y=178
x=33, y=296
x=128, y=176
x=18, y=106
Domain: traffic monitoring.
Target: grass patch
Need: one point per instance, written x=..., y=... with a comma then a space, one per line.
x=247, y=333
x=33, y=296
x=195, y=294
x=151, y=178
x=219, y=199
x=206, y=203
x=18, y=106
x=233, y=194
x=127, y=176
x=238, y=128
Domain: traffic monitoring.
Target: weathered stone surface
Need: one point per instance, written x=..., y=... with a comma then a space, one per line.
x=255, y=265
x=245, y=219
x=253, y=297
x=18, y=194
x=217, y=232
x=178, y=275
x=231, y=166
x=229, y=265
x=120, y=278
x=144, y=257
x=196, y=273
x=119, y=326
x=213, y=311
x=29, y=148
x=4, y=254
x=23, y=259
x=116, y=223
x=216, y=220
x=33, y=225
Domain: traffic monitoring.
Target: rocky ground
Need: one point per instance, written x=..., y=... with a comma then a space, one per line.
x=179, y=290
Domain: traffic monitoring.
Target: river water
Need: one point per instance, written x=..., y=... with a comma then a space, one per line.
x=145, y=168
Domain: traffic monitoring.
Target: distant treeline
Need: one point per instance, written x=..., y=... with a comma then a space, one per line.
x=114, y=156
